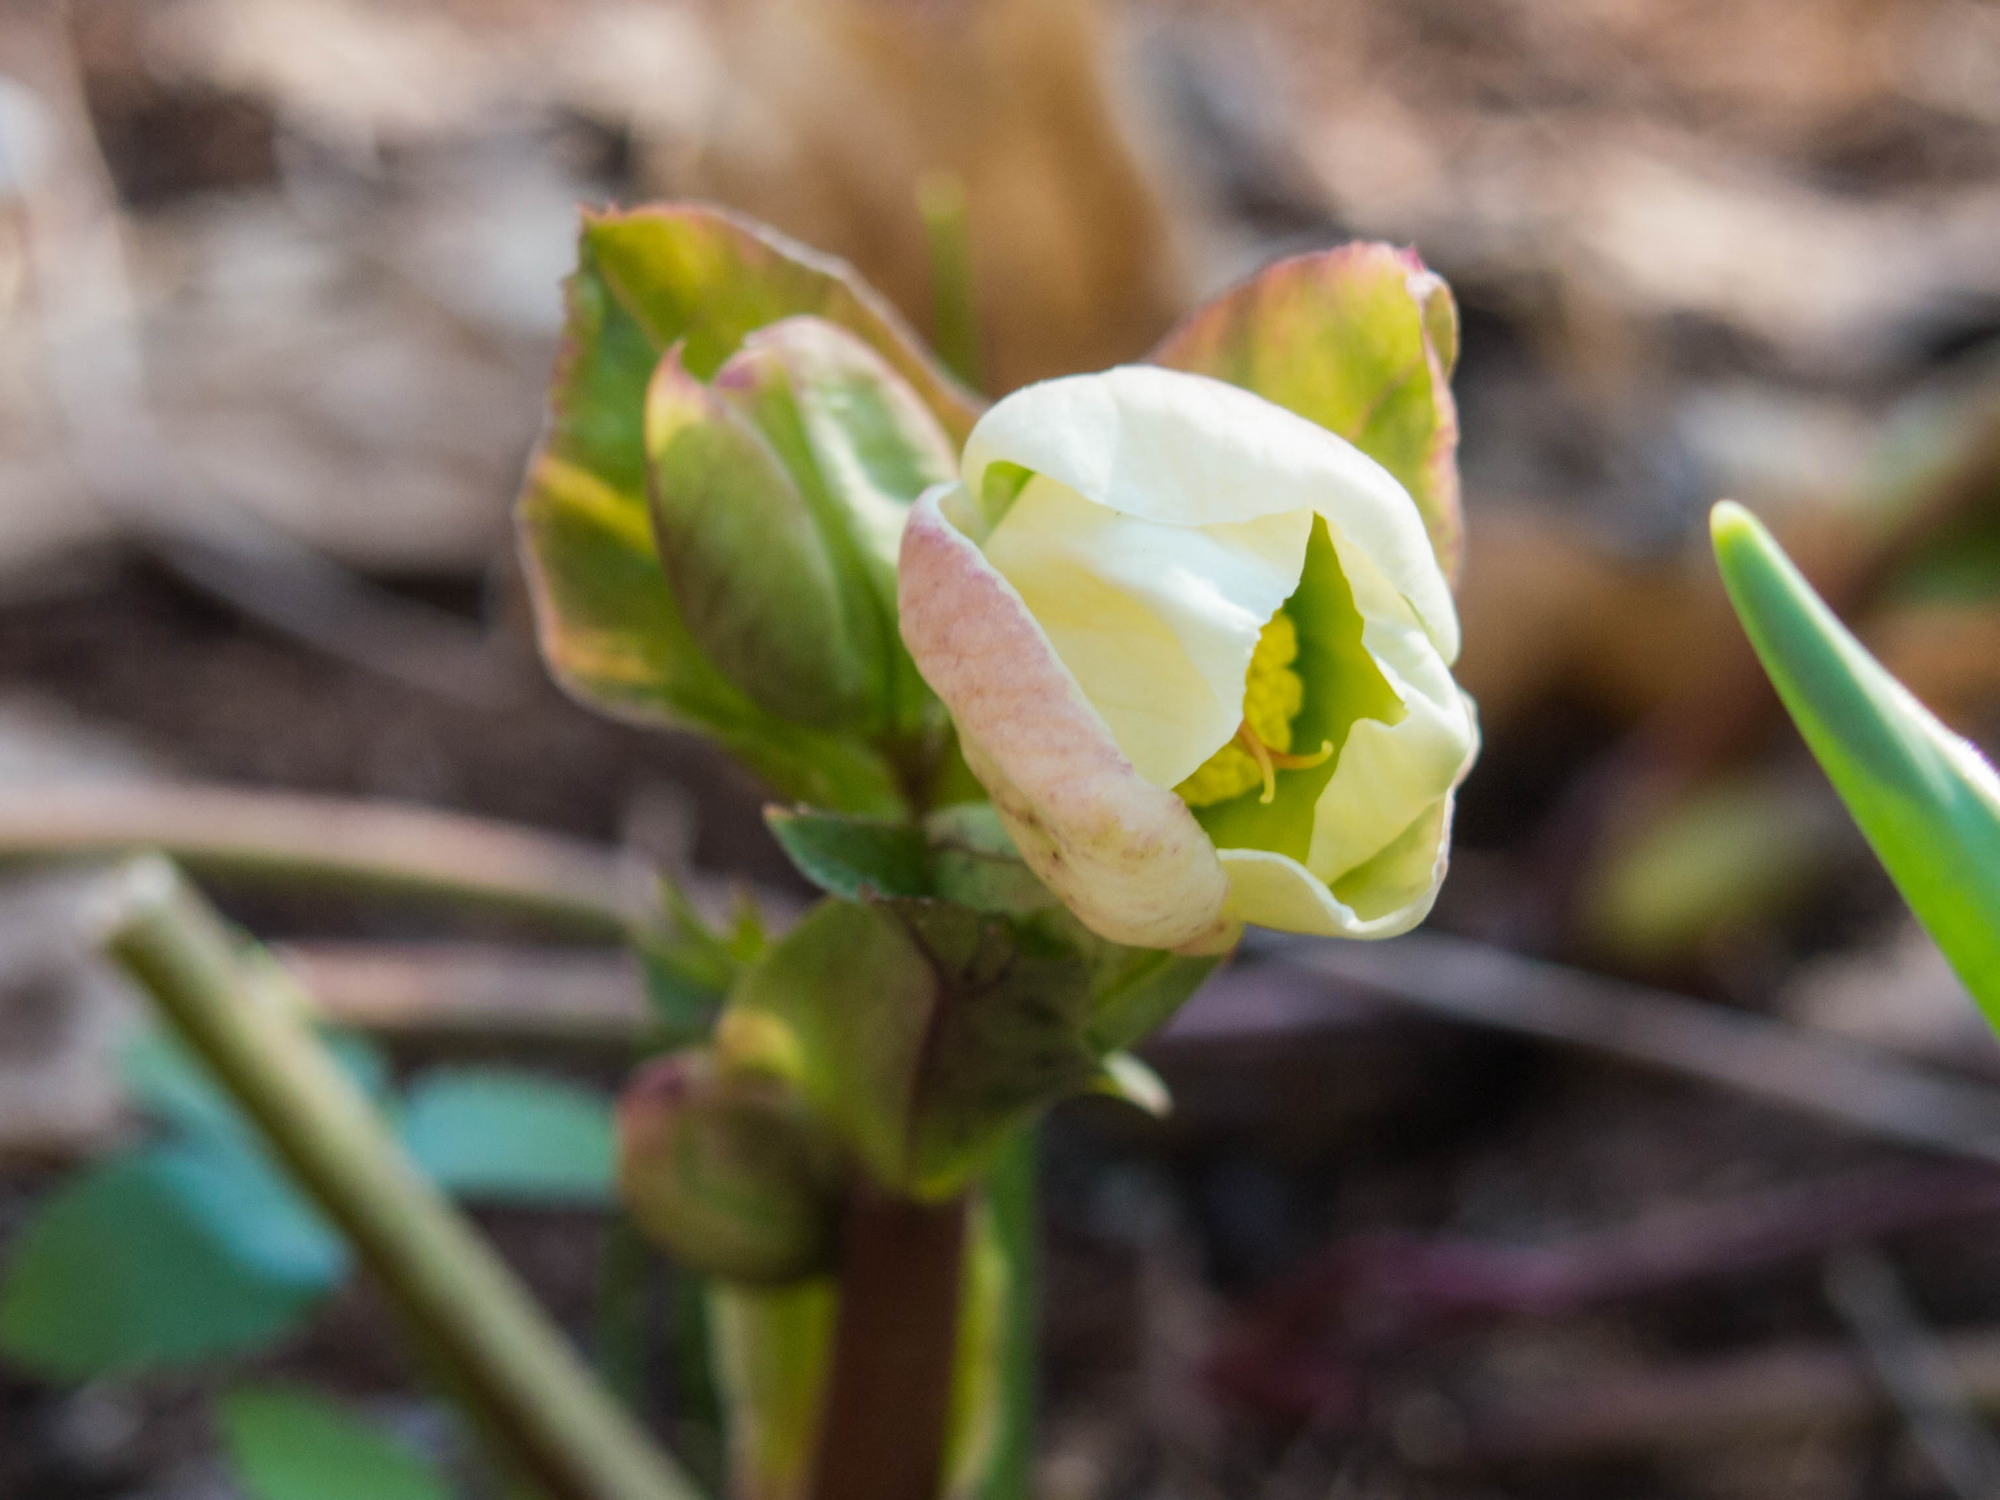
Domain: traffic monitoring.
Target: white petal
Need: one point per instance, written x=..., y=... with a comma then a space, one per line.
x=1274, y=890
x=1157, y=623
x=1388, y=774
x=1122, y=853
x=1187, y=450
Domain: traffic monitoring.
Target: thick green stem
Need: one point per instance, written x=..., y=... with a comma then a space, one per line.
x=882, y=1430
x=1017, y=1228
x=523, y=1382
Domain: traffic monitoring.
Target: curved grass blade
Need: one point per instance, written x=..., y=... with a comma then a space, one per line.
x=1927, y=800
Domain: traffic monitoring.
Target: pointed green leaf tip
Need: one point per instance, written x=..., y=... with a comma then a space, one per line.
x=1928, y=802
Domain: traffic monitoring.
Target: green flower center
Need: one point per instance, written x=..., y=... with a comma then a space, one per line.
x=1273, y=694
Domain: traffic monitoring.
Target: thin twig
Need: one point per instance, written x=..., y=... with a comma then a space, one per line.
x=290, y=838
x=1836, y=1080
x=1299, y=1348
x=484, y=992
x=499, y=1351
x=1914, y=1372
x=1696, y=1403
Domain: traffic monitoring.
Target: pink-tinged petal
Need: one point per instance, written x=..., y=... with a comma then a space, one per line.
x=1184, y=449
x=1126, y=856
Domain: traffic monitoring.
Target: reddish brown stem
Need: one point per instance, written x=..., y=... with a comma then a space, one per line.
x=889, y=1388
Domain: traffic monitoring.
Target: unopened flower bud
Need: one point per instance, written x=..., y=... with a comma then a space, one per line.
x=779, y=492
x=724, y=1173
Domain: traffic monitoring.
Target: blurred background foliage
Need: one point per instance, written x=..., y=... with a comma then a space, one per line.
x=278, y=300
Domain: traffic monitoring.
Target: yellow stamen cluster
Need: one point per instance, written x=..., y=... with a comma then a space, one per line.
x=1273, y=694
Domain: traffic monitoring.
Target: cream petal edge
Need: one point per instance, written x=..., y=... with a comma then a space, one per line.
x=1126, y=856
x=1276, y=891
x=1090, y=432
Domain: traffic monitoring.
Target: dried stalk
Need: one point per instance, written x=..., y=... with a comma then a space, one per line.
x=1836, y=1080
x=289, y=838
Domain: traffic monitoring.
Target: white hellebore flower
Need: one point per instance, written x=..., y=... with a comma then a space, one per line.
x=1199, y=652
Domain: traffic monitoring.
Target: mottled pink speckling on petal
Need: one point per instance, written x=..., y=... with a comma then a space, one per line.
x=1126, y=856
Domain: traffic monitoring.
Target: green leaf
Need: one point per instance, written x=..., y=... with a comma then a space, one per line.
x=923, y=1031
x=1135, y=990
x=1927, y=801
x=853, y=857
x=286, y=1444
x=690, y=967
x=1360, y=339
x=974, y=862
x=1730, y=854
x=161, y=1256
x=754, y=580
x=511, y=1137
x=610, y=628
x=709, y=278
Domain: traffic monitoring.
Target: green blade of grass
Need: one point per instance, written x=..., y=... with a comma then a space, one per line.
x=1928, y=802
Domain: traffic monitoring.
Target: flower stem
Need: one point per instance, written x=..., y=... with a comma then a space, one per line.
x=1012, y=1193
x=882, y=1431
x=497, y=1350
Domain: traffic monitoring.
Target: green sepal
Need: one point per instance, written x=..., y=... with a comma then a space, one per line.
x=1360, y=339
x=1928, y=801
x=1343, y=685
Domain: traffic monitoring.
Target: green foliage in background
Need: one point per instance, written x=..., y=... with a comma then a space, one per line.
x=287, y=1444
x=194, y=1246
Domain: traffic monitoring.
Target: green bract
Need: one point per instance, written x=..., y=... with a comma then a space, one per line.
x=924, y=1032
x=1927, y=800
